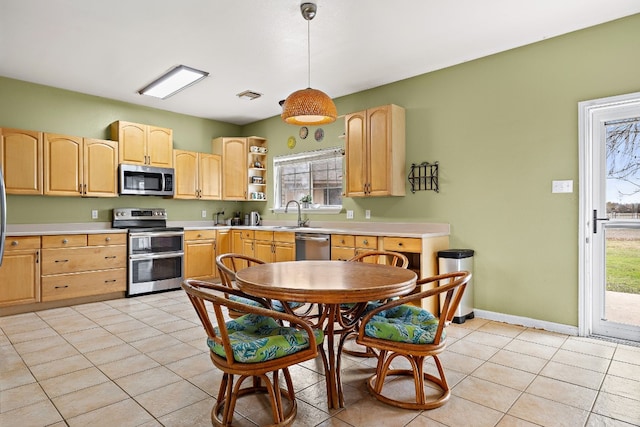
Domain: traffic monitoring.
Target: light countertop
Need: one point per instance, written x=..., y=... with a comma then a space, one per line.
x=410, y=229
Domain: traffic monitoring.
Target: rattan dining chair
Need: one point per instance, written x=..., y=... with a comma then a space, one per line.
x=401, y=329
x=249, y=348
x=229, y=264
x=395, y=259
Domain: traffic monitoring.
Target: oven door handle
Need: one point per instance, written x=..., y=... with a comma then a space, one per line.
x=156, y=255
x=134, y=234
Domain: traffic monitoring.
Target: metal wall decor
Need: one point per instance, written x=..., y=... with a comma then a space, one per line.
x=424, y=177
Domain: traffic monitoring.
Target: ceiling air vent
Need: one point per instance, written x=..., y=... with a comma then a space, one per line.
x=249, y=94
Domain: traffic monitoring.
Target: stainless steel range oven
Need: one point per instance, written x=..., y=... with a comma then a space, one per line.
x=155, y=251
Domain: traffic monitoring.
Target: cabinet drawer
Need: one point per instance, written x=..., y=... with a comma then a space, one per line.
x=284, y=236
x=342, y=254
x=64, y=241
x=366, y=242
x=402, y=244
x=72, y=260
x=343, y=240
x=83, y=284
x=248, y=234
x=107, y=239
x=264, y=235
x=21, y=243
x=200, y=235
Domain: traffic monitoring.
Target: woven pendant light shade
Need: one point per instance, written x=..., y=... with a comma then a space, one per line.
x=308, y=107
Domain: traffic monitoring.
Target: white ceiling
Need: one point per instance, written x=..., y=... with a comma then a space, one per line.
x=114, y=48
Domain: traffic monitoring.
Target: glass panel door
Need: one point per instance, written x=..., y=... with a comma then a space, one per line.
x=620, y=305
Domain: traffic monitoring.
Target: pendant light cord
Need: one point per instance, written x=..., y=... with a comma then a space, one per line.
x=308, y=53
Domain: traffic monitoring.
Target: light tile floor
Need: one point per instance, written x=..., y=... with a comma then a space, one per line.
x=143, y=362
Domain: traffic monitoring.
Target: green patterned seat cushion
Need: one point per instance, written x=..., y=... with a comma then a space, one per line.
x=276, y=305
x=256, y=338
x=405, y=323
x=244, y=300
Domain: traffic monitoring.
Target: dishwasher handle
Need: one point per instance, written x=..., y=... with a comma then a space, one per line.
x=312, y=237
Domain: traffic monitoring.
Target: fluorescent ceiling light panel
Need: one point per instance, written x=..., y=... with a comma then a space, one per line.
x=174, y=81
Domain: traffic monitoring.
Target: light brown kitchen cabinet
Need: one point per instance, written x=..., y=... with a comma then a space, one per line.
x=346, y=246
x=142, y=144
x=21, y=160
x=243, y=167
x=197, y=175
x=201, y=247
x=200, y=254
x=80, y=265
x=375, y=152
x=75, y=166
x=274, y=246
x=20, y=271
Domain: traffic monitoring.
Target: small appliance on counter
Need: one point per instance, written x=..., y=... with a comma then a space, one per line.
x=254, y=218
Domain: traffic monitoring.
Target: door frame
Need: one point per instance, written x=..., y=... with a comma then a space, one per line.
x=587, y=110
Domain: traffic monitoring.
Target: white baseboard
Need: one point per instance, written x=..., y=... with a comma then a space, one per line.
x=526, y=321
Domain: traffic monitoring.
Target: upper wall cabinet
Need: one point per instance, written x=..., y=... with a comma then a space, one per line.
x=198, y=175
x=243, y=167
x=375, y=152
x=143, y=144
x=21, y=160
x=75, y=166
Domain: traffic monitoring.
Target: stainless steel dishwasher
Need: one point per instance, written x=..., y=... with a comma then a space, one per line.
x=311, y=246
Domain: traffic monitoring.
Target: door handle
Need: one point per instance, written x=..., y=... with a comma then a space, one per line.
x=595, y=221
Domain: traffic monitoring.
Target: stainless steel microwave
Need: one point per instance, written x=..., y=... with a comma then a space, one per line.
x=146, y=180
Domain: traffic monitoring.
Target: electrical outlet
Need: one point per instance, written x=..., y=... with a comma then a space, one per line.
x=94, y=214
x=204, y=213
x=349, y=214
x=367, y=214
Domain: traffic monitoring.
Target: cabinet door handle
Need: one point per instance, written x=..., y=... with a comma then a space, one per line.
x=62, y=260
x=110, y=281
x=85, y=189
x=61, y=287
x=110, y=257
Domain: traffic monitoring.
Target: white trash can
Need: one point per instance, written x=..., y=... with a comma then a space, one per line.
x=452, y=260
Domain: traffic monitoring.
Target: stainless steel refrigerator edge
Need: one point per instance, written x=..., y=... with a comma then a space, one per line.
x=3, y=215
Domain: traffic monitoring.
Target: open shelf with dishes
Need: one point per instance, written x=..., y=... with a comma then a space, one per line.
x=257, y=168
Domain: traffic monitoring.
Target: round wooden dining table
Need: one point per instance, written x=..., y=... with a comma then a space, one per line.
x=340, y=289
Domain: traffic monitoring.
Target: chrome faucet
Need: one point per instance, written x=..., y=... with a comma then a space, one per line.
x=301, y=223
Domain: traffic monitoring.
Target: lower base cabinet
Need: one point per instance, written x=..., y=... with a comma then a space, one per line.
x=80, y=265
x=201, y=247
x=76, y=285
x=20, y=271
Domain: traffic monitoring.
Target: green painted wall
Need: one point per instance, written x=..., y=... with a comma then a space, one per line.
x=502, y=127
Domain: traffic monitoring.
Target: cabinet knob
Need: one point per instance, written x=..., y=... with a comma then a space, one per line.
x=14, y=243
x=365, y=242
x=400, y=244
x=65, y=241
x=199, y=235
x=107, y=239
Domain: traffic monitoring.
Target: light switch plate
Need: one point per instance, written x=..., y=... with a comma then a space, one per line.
x=94, y=214
x=349, y=214
x=565, y=186
x=367, y=214
x=204, y=213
